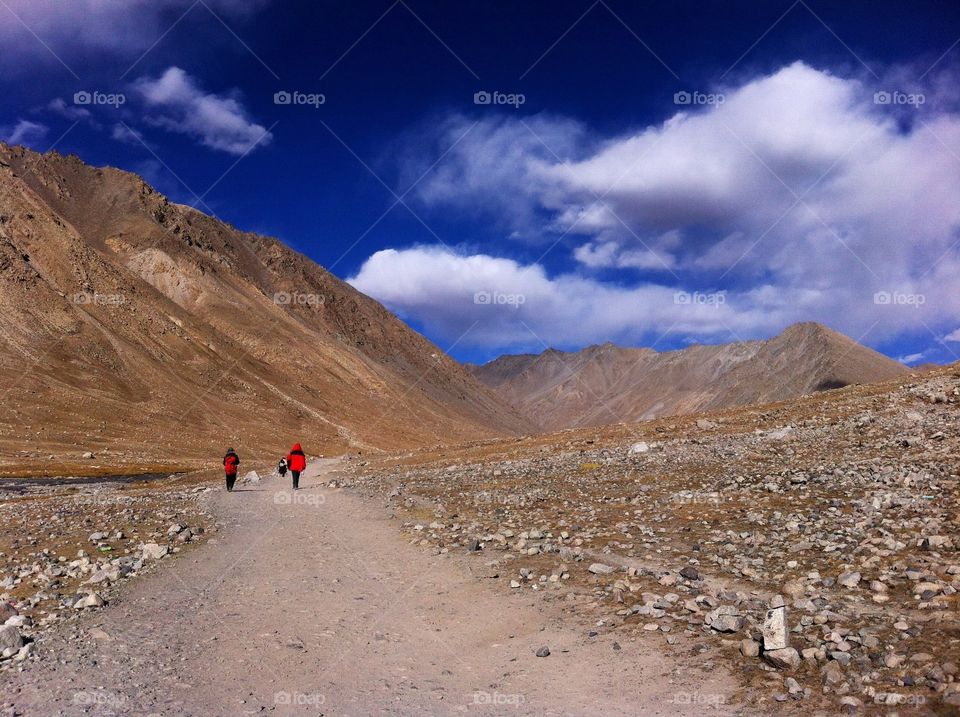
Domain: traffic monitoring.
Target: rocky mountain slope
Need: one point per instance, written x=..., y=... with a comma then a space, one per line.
x=608, y=384
x=146, y=331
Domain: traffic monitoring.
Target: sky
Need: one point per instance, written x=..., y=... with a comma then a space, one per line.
x=509, y=177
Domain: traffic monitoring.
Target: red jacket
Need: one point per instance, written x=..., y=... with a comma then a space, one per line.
x=230, y=463
x=295, y=459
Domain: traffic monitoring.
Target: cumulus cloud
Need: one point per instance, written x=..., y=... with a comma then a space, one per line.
x=219, y=122
x=24, y=132
x=485, y=301
x=953, y=336
x=799, y=192
x=47, y=29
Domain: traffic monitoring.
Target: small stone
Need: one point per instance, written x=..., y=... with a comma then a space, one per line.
x=690, y=573
x=786, y=658
x=749, y=648
x=601, y=569
x=849, y=580
x=91, y=600
x=10, y=639
x=543, y=651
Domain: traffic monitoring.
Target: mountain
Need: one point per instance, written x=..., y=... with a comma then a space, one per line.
x=608, y=384
x=143, y=329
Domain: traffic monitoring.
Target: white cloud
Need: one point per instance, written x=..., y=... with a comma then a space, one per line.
x=67, y=28
x=953, y=336
x=24, y=132
x=219, y=122
x=71, y=112
x=481, y=300
x=126, y=134
x=910, y=359
x=798, y=185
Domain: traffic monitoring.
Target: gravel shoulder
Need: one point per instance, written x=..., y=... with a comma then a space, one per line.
x=314, y=603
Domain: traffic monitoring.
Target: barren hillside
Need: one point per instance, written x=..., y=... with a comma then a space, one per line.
x=145, y=331
x=608, y=384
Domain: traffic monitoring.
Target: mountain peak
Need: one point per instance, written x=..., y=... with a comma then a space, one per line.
x=606, y=384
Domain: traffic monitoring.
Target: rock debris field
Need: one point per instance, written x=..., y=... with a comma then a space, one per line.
x=812, y=543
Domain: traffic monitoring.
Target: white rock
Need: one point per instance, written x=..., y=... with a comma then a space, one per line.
x=775, y=629
x=154, y=551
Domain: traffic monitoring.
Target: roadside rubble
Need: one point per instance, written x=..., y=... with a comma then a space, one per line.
x=65, y=551
x=815, y=542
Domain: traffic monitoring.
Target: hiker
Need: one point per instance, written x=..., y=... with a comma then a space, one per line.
x=230, y=462
x=282, y=467
x=297, y=462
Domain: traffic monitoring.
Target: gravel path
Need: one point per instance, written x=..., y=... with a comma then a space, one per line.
x=313, y=603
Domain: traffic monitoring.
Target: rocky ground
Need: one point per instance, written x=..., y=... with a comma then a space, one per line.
x=814, y=543
x=68, y=544
x=314, y=603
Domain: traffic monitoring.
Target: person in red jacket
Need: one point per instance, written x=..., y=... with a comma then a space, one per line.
x=297, y=462
x=230, y=462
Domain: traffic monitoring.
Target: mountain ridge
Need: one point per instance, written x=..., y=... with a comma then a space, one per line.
x=606, y=383
x=122, y=310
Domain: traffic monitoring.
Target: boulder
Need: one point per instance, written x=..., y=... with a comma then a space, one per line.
x=637, y=448
x=725, y=618
x=10, y=639
x=154, y=551
x=601, y=569
x=775, y=629
x=91, y=600
x=849, y=580
x=783, y=659
x=7, y=611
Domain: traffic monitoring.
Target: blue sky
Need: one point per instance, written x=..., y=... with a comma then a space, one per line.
x=512, y=176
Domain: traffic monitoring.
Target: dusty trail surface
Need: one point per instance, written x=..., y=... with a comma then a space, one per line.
x=313, y=603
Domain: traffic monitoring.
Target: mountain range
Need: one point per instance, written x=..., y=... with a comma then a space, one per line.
x=608, y=384
x=144, y=331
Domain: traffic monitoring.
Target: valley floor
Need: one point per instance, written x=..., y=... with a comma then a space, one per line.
x=314, y=603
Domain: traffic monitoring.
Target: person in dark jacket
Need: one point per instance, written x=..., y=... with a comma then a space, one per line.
x=230, y=462
x=297, y=462
x=282, y=467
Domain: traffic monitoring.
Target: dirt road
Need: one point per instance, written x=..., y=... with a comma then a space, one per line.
x=313, y=603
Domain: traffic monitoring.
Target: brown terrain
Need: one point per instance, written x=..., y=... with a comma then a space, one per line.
x=799, y=557
x=608, y=384
x=776, y=531
x=145, y=332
